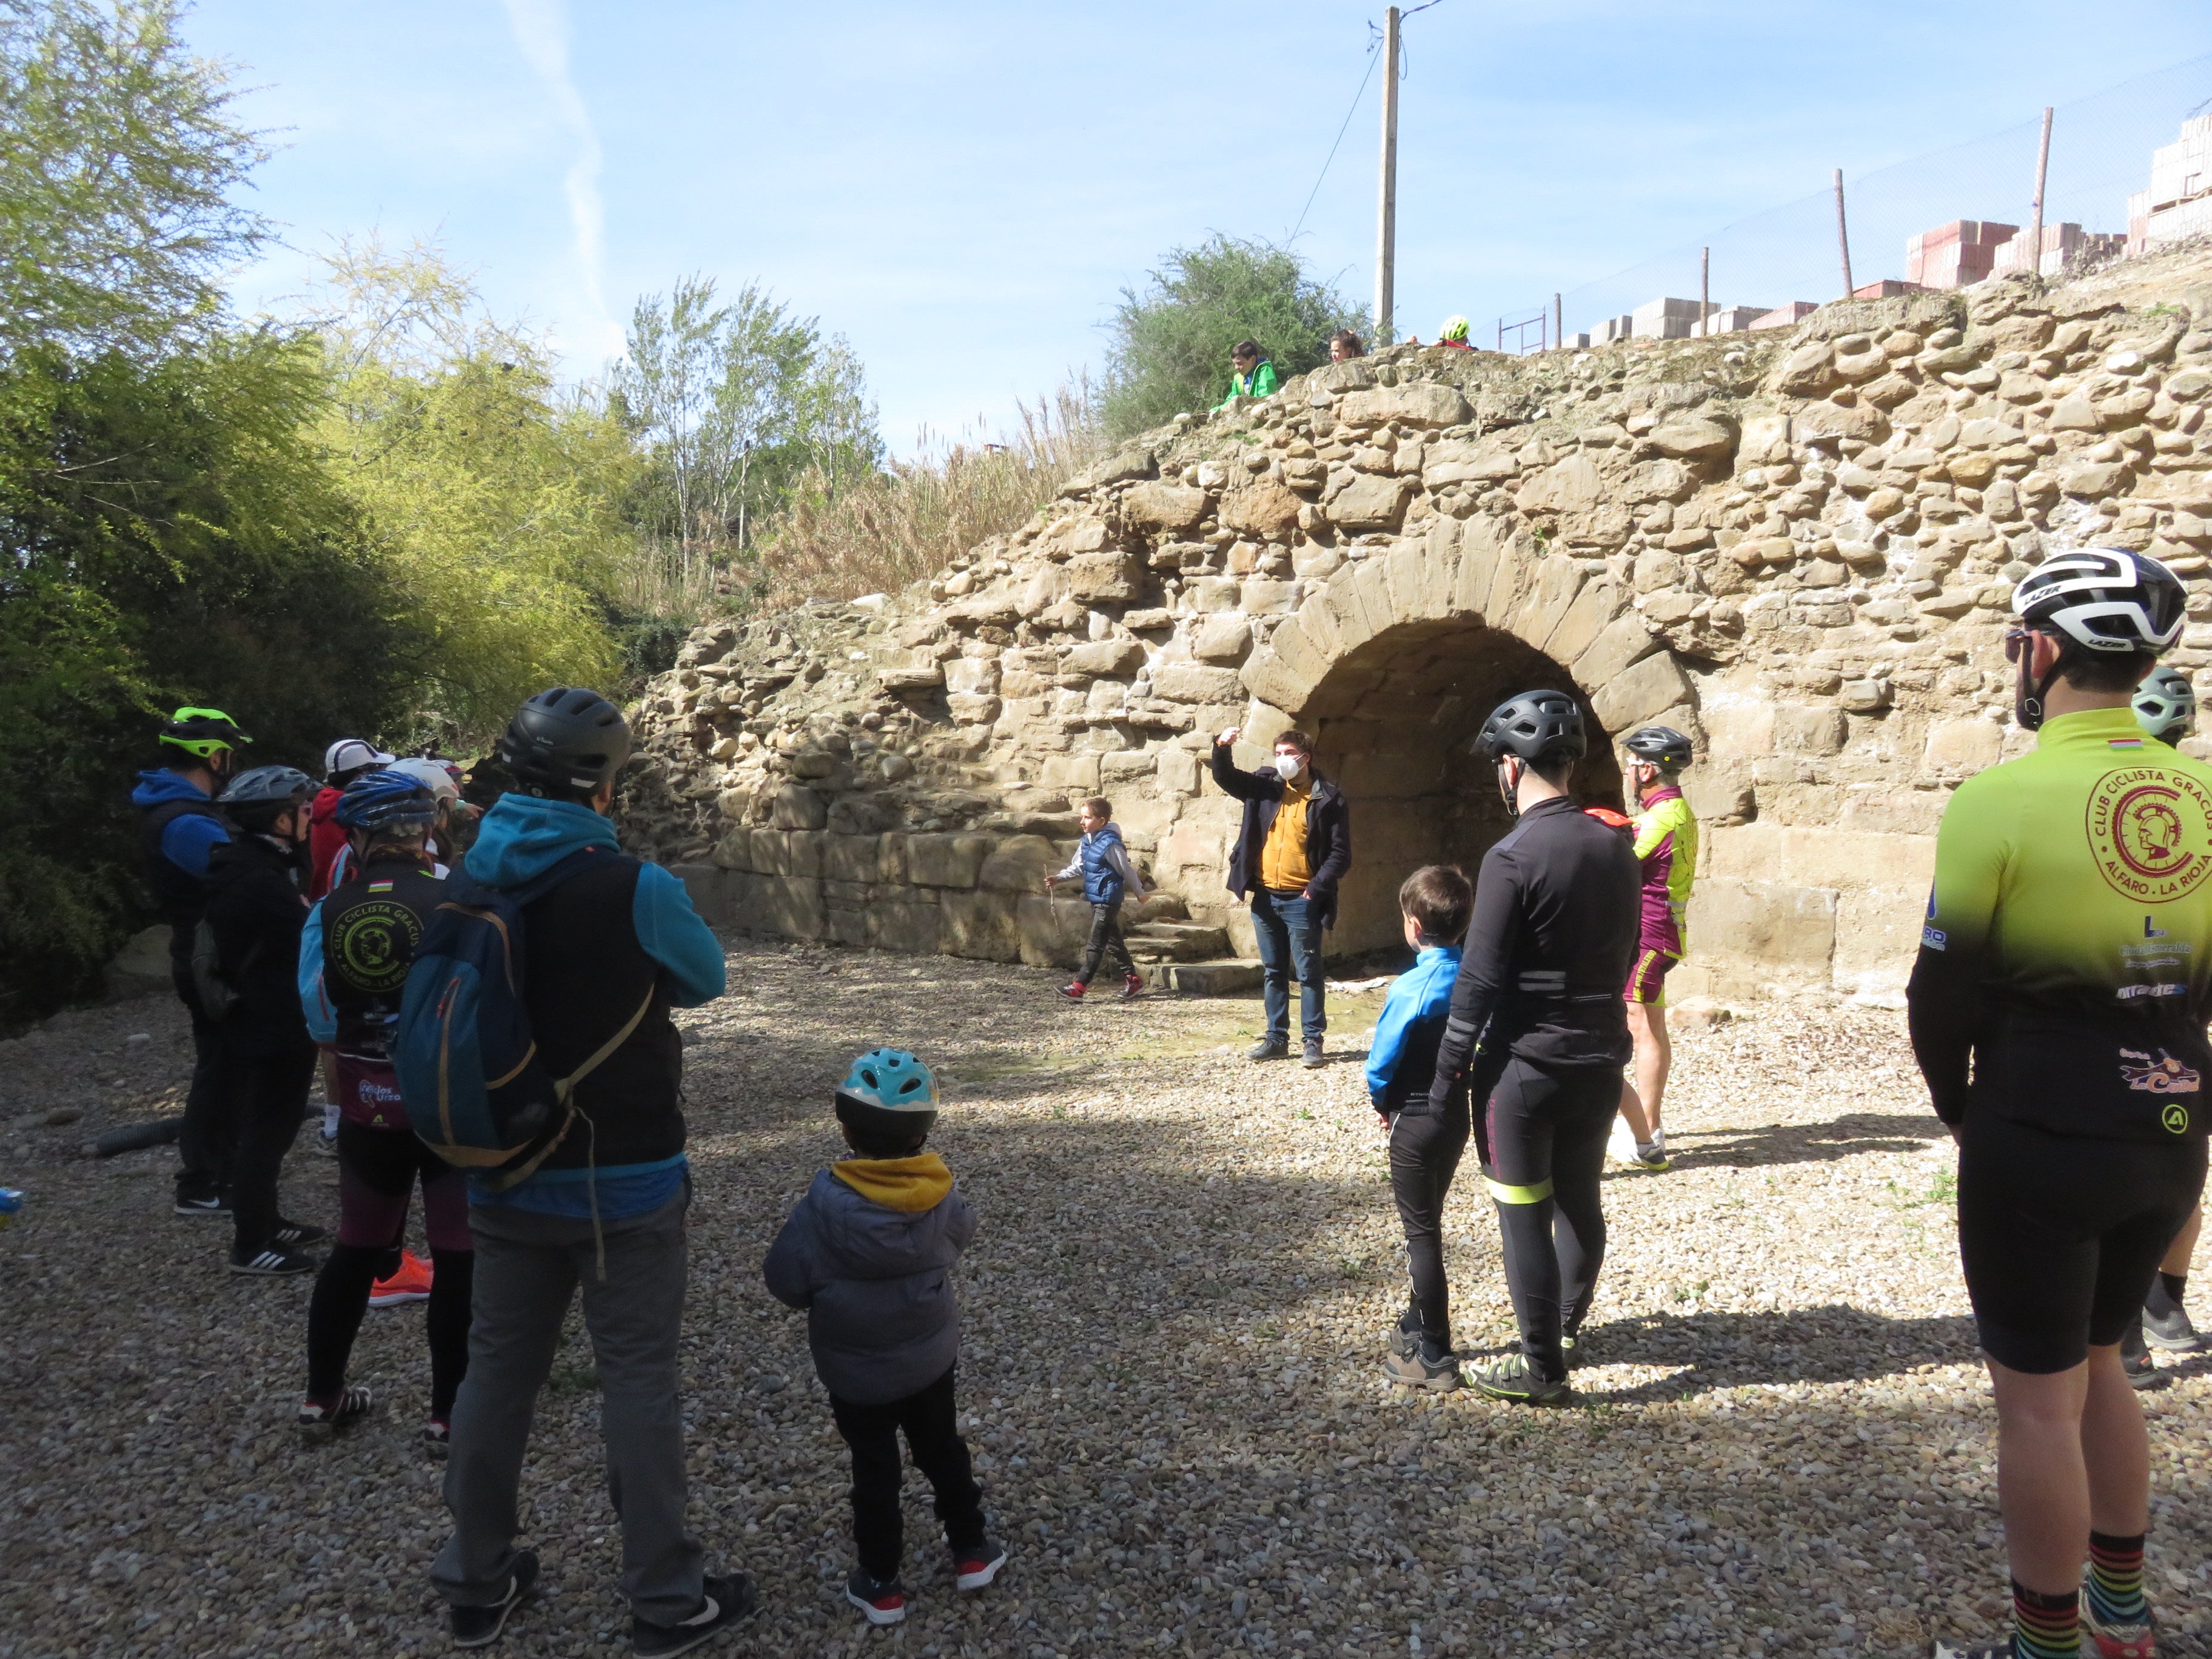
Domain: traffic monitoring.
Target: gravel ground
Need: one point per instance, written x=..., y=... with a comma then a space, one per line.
x=1174, y=1320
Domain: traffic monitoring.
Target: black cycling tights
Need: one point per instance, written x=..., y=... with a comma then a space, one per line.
x=1542, y=1138
x=341, y=1297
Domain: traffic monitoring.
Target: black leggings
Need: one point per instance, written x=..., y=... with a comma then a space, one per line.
x=1424, y=1152
x=1543, y=1149
x=1105, y=944
x=377, y=1172
x=933, y=1435
x=273, y=1096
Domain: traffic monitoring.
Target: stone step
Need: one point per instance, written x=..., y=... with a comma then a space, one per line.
x=1223, y=977
x=1175, y=941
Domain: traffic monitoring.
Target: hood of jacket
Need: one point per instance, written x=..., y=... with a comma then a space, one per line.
x=909, y=1184
x=523, y=837
x=324, y=809
x=869, y=1239
x=158, y=785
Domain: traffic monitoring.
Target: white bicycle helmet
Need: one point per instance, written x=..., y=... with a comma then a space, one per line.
x=2104, y=599
x=431, y=775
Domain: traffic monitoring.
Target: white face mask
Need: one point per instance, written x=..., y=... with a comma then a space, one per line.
x=1287, y=767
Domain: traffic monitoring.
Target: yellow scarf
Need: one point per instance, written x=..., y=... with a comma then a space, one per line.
x=912, y=1184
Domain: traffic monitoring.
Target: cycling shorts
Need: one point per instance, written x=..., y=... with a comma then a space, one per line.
x=2060, y=1235
x=1647, y=980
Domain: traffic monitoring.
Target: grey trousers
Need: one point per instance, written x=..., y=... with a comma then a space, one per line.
x=528, y=1267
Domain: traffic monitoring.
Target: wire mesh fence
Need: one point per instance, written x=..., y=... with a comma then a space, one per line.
x=1941, y=220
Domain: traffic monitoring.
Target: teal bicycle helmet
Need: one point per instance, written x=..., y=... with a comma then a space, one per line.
x=2165, y=704
x=890, y=1096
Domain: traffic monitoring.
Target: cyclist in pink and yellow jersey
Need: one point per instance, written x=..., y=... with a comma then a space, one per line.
x=1666, y=850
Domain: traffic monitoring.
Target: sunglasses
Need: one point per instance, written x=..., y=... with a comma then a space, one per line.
x=2019, y=643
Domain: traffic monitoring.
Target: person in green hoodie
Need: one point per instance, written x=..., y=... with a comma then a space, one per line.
x=1255, y=375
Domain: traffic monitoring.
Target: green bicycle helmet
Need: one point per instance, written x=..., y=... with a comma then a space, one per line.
x=2165, y=704
x=203, y=733
x=888, y=1095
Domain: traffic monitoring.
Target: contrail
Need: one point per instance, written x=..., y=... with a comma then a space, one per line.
x=541, y=30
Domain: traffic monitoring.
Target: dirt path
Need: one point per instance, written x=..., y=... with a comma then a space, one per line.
x=1174, y=1318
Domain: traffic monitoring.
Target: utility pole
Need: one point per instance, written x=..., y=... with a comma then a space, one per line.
x=2035, y=207
x=1386, y=234
x=1844, y=236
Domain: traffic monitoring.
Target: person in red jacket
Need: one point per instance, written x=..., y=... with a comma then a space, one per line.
x=343, y=761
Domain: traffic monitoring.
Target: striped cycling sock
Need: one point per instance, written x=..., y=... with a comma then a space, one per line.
x=2115, y=1579
x=2045, y=1626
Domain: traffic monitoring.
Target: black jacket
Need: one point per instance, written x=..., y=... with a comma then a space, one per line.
x=1557, y=907
x=1329, y=831
x=256, y=911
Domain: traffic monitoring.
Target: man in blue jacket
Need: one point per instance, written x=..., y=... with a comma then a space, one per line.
x=605, y=1211
x=178, y=826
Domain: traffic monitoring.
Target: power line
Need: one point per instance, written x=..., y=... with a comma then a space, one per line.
x=1333, y=148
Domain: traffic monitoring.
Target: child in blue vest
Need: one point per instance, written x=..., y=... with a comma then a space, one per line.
x=1108, y=878
x=1424, y=1145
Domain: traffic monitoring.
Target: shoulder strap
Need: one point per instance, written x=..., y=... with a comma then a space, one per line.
x=563, y=1087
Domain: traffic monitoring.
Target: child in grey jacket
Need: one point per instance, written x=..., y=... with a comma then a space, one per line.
x=868, y=1254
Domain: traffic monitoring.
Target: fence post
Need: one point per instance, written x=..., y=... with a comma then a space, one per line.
x=1705, y=288
x=1843, y=236
x=1559, y=322
x=2035, y=209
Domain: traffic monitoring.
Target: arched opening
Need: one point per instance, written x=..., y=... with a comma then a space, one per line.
x=1392, y=721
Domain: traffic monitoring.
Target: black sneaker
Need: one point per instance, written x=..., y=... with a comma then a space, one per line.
x=728, y=1598
x=323, y=1422
x=270, y=1261
x=1570, y=1349
x=292, y=1234
x=1271, y=1048
x=202, y=1200
x=881, y=1600
x=1513, y=1379
x=479, y=1627
x=2171, y=1332
x=973, y=1568
x=1314, y=1060
x=2135, y=1358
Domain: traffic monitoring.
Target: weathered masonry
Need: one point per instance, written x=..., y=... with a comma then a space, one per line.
x=1797, y=546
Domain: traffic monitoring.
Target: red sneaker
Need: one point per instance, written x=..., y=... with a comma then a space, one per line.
x=1073, y=990
x=411, y=1284
x=1132, y=987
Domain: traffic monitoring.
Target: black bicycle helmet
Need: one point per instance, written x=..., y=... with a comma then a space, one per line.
x=1662, y=746
x=256, y=796
x=2104, y=599
x=565, y=744
x=1534, y=726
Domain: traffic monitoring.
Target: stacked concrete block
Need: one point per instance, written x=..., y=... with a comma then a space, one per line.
x=2064, y=247
x=1665, y=319
x=1787, y=316
x=2178, y=203
x=1890, y=289
x=1726, y=319
x=1616, y=328
x=1953, y=255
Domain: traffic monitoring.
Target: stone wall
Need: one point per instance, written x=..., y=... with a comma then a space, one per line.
x=1797, y=546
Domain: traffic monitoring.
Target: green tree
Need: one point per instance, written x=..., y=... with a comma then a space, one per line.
x=118, y=159
x=734, y=404
x=491, y=500
x=1170, y=344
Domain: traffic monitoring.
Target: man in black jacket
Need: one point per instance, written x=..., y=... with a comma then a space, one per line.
x=256, y=909
x=1291, y=853
x=1538, y=1025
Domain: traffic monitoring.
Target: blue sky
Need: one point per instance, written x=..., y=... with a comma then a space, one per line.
x=964, y=190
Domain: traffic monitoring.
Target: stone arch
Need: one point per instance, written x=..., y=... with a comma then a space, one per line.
x=1394, y=663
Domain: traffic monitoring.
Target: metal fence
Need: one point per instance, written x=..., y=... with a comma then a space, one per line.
x=1946, y=218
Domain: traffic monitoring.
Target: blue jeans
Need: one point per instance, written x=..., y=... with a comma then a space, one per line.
x=1289, y=944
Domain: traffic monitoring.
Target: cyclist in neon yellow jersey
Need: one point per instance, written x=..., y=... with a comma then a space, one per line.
x=1667, y=852
x=2058, y=1009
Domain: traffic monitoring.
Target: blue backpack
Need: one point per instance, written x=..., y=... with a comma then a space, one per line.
x=469, y=1070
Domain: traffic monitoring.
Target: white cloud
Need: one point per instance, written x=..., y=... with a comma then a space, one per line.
x=541, y=31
